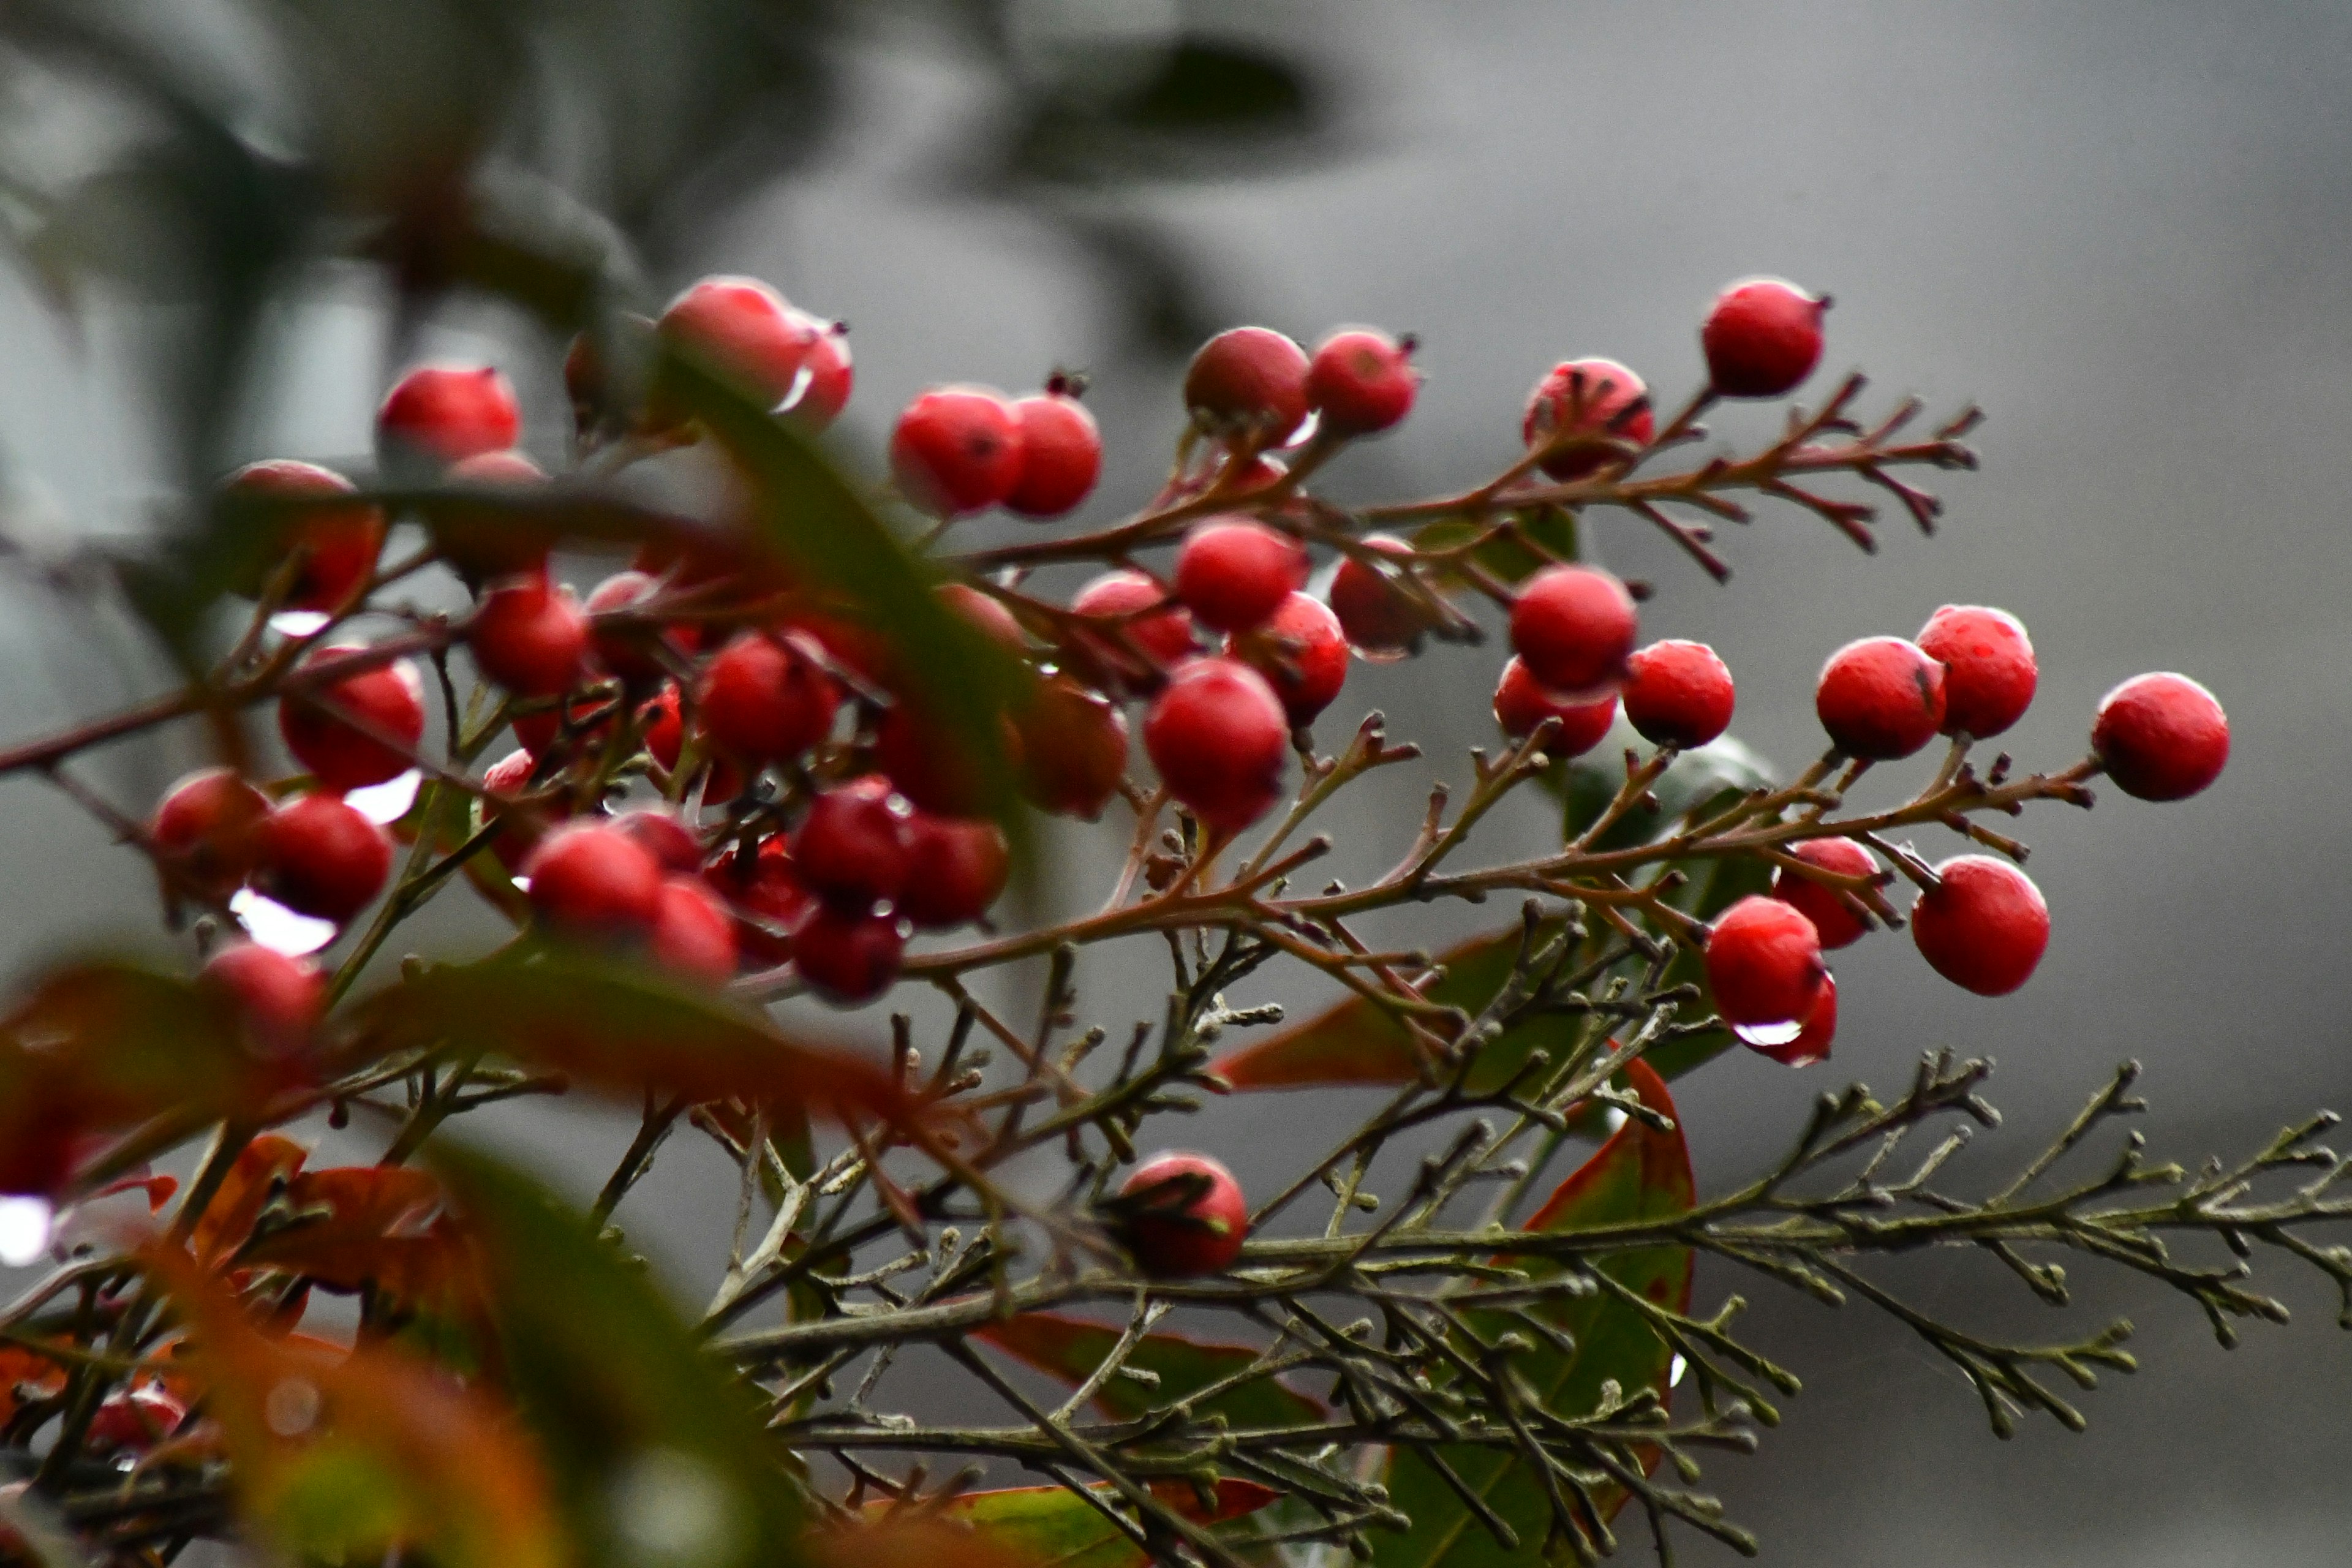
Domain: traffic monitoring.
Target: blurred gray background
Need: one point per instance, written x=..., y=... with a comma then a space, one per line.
x=2125, y=228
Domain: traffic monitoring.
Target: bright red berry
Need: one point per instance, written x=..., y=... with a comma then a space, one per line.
x=767, y=896
x=851, y=847
x=664, y=731
x=2160, y=737
x=660, y=834
x=1302, y=653
x=830, y=374
x=743, y=329
x=279, y=999
x=629, y=652
x=1185, y=1216
x=1988, y=671
x=847, y=957
x=1072, y=749
x=320, y=857
x=1880, y=699
x=765, y=700
x=531, y=636
x=135, y=1422
x=1575, y=626
x=1248, y=379
x=1833, y=917
x=1232, y=574
x=442, y=413
x=1061, y=453
x=592, y=880
x=1219, y=737
x=1521, y=702
x=484, y=541
x=1764, y=963
x=956, y=867
x=209, y=824
x=335, y=547
x=1361, y=381
x=1983, y=926
x=1678, y=693
x=1381, y=620
x=1581, y=402
x=324, y=730
x=1814, y=1044
x=1762, y=338
x=957, y=451
x=693, y=933
x=1154, y=633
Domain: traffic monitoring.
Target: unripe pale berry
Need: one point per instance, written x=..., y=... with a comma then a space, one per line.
x=1232, y=574
x=502, y=782
x=210, y=825
x=1764, y=963
x=1575, y=626
x=956, y=450
x=825, y=392
x=1381, y=620
x=1678, y=693
x=763, y=699
x=2161, y=737
x=388, y=700
x=766, y=894
x=692, y=932
x=1073, y=748
x=1583, y=400
x=531, y=637
x=480, y=540
x=1983, y=927
x=1061, y=454
x=1880, y=699
x=442, y=413
x=742, y=330
x=335, y=547
x=1186, y=1217
x=279, y=999
x=956, y=867
x=847, y=957
x=851, y=847
x=630, y=654
x=1302, y=653
x=1249, y=379
x=1162, y=636
x=660, y=834
x=1522, y=704
x=1989, y=670
x=1361, y=381
x=1814, y=1044
x=591, y=879
x=1833, y=917
x=320, y=857
x=1763, y=337
x=665, y=731
x=1219, y=737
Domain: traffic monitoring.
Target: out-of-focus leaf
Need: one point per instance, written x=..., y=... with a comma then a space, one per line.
x=1212, y=107
x=354, y=1225
x=1071, y=1348
x=22, y=1371
x=1704, y=780
x=1639, y=1174
x=1053, y=1527
x=1506, y=558
x=228, y=1219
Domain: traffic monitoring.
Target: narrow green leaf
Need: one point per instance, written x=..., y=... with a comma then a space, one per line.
x=1071, y=1348
x=1052, y=1527
x=1707, y=778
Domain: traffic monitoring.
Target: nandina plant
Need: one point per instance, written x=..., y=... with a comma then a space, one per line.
x=795, y=741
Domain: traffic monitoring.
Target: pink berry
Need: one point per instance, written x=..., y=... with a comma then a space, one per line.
x=847, y=957
x=1362, y=381
x=591, y=879
x=1161, y=637
x=1248, y=379
x=1302, y=653
x=209, y=825
x=957, y=451
x=1983, y=927
x=1762, y=338
x=2161, y=737
x=361, y=729
x=851, y=847
x=1219, y=737
x=531, y=637
x=1989, y=670
x=1580, y=403
x=764, y=701
x=1061, y=453
x=1187, y=1216
x=335, y=547
x=1880, y=699
x=1833, y=917
x=320, y=857
x=743, y=329
x=660, y=834
x=1764, y=963
x=279, y=999
x=986, y=614
x=1522, y=704
x=442, y=413
x=1678, y=693
x=1575, y=626
x=692, y=932
x=1232, y=574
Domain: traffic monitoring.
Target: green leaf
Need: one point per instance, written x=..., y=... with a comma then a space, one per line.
x=1706, y=779
x=1212, y=107
x=1639, y=1174
x=1505, y=557
x=1071, y=1348
x=1053, y=1527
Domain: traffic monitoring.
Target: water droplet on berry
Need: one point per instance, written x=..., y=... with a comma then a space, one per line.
x=1765, y=1036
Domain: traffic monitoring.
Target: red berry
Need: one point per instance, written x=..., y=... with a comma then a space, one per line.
x=986, y=614
x=1186, y=1217
x=1061, y=454
x=483, y=541
x=1814, y=1044
x=135, y=1422
x=1380, y=618
x=1302, y=653
x=933, y=765
x=1232, y=574
x=531, y=637
x=693, y=932
x=763, y=699
x=742, y=330
x=442, y=413
x=664, y=731
x=851, y=847
x=1764, y=963
x=629, y=653
x=1248, y=379
x=1983, y=927
x=1575, y=626
x=1522, y=704
x=957, y=449
x=1582, y=402
x=847, y=957
x=2160, y=737
x=1833, y=917
x=503, y=782
x=321, y=858
x=825, y=392
x=1219, y=737
x=1988, y=671
x=592, y=880
x=1163, y=637
x=335, y=547
x=956, y=867
x=1880, y=699
x=1361, y=381
x=661, y=835
x=1072, y=749
x=279, y=999
x=210, y=826
x=767, y=896
x=543, y=731
x=1678, y=693
x=322, y=728
x=1762, y=338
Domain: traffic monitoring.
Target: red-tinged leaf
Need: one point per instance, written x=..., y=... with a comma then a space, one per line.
x=24, y=1370
x=1639, y=1174
x=1071, y=1348
x=1053, y=1527
x=354, y=1225
x=228, y=1219
x=157, y=1190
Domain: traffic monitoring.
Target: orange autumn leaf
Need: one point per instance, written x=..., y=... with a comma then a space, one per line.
x=228, y=1219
